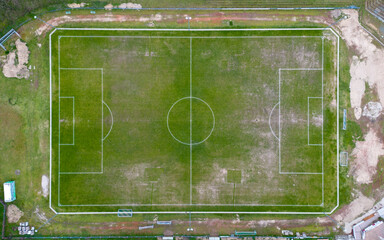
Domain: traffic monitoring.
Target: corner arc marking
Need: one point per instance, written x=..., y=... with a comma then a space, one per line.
x=269, y=121
x=112, y=120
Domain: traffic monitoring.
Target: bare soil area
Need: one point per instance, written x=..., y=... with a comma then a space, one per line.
x=367, y=63
x=15, y=65
x=13, y=213
x=366, y=156
x=44, y=185
x=76, y=5
x=212, y=17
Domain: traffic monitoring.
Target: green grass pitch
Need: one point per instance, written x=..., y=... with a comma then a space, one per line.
x=208, y=121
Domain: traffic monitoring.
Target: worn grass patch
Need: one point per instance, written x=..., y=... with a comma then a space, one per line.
x=223, y=121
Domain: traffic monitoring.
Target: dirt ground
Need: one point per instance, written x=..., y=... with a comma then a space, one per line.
x=15, y=65
x=214, y=227
x=44, y=185
x=367, y=63
x=367, y=66
x=13, y=213
x=366, y=155
x=76, y=5
x=213, y=17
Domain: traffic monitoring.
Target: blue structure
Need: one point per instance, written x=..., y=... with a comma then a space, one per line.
x=9, y=191
x=345, y=120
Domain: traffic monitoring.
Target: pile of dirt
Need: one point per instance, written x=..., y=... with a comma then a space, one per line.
x=16, y=62
x=44, y=185
x=76, y=5
x=372, y=110
x=123, y=6
x=367, y=65
x=130, y=6
x=335, y=14
x=108, y=7
x=14, y=213
x=366, y=156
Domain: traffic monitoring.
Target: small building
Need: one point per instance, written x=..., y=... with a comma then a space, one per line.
x=9, y=191
x=381, y=212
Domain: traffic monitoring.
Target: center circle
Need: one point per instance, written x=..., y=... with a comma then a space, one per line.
x=190, y=121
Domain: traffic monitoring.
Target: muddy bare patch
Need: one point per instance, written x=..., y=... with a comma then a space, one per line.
x=317, y=120
x=366, y=156
x=76, y=5
x=367, y=65
x=108, y=7
x=372, y=110
x=44, y=185
x=130, y=6
x=123, y=6
x=14, y=213
x=108, y=17
x=15, y=65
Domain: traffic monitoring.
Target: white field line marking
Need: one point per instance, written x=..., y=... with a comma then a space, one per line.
x=313, y=144
x=301, y=69
x=207, y=212
x=112, y=121
x=302, y=173
x=190, y=121
x=197, y=29
x=322, y=116
x=73, y=120
x=337, y=117
x=269, y=121
x=279, y=121
x=191, y=37
x=102, y=120
x=50, y=121
x=185, y=204
x=308, y=120
x=59, y=169
x=66, y=173
x=81, y=69
x=198, y=212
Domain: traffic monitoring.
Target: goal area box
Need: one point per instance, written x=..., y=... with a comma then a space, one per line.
x=206, y=120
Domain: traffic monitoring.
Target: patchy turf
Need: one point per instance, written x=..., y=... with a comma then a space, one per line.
x=232, y=147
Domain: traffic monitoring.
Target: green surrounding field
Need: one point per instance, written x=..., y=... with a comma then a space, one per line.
x=198, y=121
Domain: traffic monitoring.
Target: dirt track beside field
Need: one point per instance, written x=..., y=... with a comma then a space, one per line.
x=367, y=66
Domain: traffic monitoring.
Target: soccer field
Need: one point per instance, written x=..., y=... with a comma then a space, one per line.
x=204, y=121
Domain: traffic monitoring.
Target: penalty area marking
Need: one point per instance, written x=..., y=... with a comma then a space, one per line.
x=102, y=118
